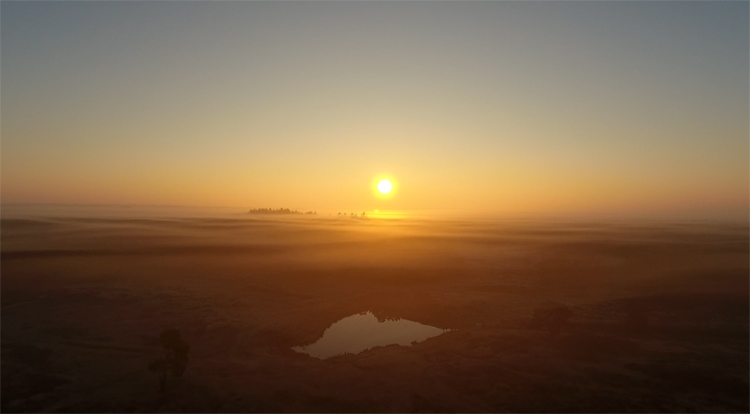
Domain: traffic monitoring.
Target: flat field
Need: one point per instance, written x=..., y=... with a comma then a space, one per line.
x=658, y=314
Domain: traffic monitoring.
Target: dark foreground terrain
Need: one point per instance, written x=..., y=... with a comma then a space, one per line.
x=658, y=314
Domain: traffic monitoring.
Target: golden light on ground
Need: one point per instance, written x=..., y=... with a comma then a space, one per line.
x=385, y=186
x=388, y=214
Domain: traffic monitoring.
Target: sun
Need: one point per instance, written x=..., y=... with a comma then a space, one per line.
x=385, y=186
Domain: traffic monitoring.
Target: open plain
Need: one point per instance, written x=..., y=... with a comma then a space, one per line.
x=658, y=314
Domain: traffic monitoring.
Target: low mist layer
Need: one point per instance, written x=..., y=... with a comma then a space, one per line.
x=658, y=314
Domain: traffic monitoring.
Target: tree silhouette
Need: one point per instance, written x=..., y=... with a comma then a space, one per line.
x=175, y=357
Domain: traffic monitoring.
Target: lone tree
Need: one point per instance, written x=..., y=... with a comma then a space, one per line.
x=552, y=316
x=175, y=357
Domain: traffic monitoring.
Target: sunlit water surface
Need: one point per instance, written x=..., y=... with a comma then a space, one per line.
x=363, y=331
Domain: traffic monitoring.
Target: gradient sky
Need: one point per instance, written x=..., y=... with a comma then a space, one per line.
x=506, y=107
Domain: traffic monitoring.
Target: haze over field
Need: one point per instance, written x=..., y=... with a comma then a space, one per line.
x=658, y=315
x=375, y=206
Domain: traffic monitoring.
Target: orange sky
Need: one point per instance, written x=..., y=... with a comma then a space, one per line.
x=542, y=108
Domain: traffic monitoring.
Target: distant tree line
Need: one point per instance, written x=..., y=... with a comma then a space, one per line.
x=353, y=215
x=278, y=211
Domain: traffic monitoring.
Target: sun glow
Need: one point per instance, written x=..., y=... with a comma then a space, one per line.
x=385, y=186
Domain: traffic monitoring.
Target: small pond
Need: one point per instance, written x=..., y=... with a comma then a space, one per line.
x=363, y=331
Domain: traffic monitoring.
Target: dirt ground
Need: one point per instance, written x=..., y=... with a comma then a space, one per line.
x=659, y=314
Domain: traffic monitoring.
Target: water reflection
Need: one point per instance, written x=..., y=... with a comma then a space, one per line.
x=363, y=331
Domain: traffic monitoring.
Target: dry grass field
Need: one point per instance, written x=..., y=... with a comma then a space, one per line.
x=658, y=314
